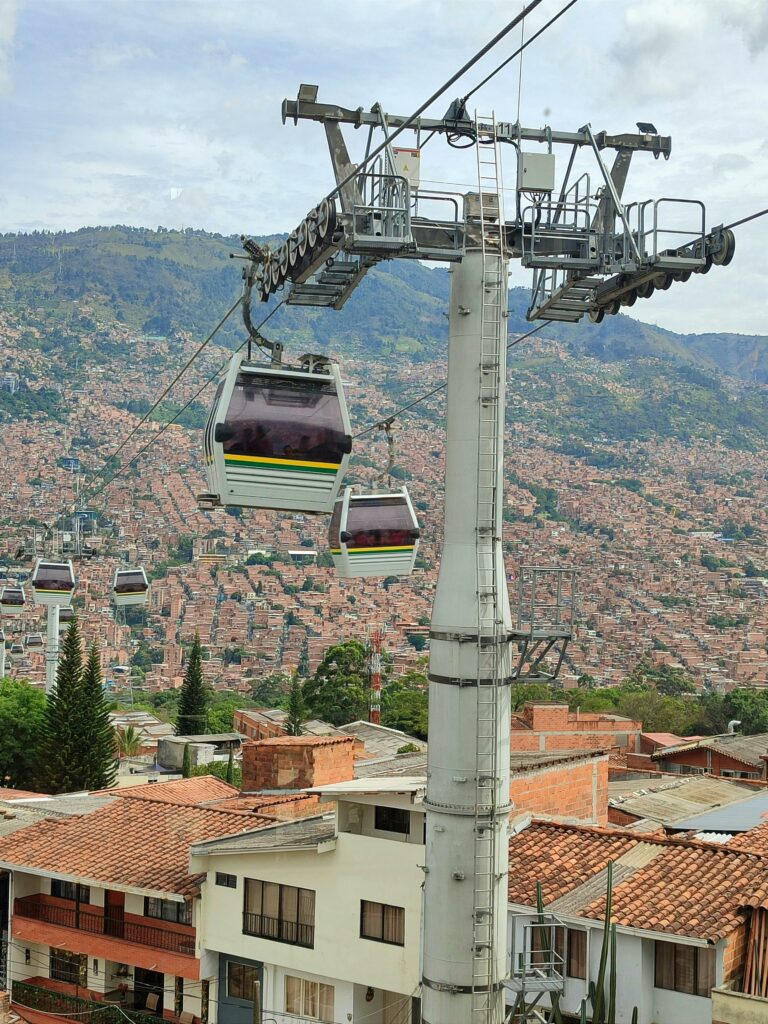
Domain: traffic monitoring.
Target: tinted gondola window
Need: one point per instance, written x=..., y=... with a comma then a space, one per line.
x=53, y=577
x=380, y=522
x=13, y=597
x=130, y=583
x=285, y=419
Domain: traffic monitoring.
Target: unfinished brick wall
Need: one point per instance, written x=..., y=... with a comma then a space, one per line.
x=297, y=762
x=569, y=789
x=551, y=726
x=734, y=954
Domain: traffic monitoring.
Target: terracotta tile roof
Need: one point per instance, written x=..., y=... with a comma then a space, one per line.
x=142, y=844
x=195, y=791
x=664, y=885
x=18, y=794
x=755, y=840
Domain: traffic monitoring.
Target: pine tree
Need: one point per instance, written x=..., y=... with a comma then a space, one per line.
x=186, y=763
x=192, y=719
x=100, y=751
x=62, y=743
x=230, y=774
x=297, y=709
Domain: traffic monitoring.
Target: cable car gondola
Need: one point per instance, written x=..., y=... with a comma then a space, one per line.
x=16, y=652
x=278, y=437
x=34, y=641
x=374, y=534
x=130, y=587
x=53, y=583
x=65, y=617
x=12, y=600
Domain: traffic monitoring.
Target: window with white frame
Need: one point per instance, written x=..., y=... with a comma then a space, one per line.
x=306, y=998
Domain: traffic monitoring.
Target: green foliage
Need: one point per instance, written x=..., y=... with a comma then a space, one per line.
x=78, y=744
x=230, y=772
x=713, y=563
x=221, y=770
x=99, y=734
x=192, y=719
x=128, y=742
x=186, y=762
x=22, y=725
x=727, y=621
x=296, y=707
x=405, y=704
x=338, y=691
x=271, y=691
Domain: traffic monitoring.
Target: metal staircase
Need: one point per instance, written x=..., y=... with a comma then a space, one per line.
x=490, y=625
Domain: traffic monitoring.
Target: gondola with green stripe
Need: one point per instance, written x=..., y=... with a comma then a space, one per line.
x=374, y=534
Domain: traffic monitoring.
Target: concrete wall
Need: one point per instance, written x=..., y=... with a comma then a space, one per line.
x=737, y=1008
x=358, y=867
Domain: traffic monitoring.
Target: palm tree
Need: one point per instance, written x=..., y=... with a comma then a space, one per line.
x=129, y=742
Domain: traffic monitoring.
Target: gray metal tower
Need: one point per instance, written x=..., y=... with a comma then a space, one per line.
x=590, y=255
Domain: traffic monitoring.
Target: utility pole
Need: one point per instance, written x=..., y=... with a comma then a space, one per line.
x=52, y=647
x=377, y=637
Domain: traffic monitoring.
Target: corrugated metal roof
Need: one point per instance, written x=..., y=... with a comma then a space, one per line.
x=670, y=802
x=736, y=817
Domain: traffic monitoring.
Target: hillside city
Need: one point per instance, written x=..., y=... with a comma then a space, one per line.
x=383, y=590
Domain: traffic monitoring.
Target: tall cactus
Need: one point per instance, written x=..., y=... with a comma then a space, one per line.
x=556, y=1017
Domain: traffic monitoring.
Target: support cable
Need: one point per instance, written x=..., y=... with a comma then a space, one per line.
x=519, y=51
x=437, y=94
x=745, y=220
x=380, y=424
x=186, y=405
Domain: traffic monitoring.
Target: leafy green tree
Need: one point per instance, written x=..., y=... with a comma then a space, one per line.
x=271, y=691
x=338, y=691
x=750, y=707
x=586, y=681
x=99, y=734
x=220, y=769
x=192, y=719
x=405, y=704
x=22, y=724
x=297, y=709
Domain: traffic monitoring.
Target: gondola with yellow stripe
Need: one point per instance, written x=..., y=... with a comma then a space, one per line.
x=374, y=534
x=53, y=583
x=278, y=437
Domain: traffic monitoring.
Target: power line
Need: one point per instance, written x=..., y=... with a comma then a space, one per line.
x=440, y=387
x=436, y=95
x=519, y=51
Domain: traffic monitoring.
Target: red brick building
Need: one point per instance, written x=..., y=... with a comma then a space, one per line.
x=548, y=725
x=730, y=756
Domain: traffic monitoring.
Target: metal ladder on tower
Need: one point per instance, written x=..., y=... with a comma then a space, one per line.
x=489, y=618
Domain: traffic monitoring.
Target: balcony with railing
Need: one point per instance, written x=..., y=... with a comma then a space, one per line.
x=279, y=930
x=126, y=938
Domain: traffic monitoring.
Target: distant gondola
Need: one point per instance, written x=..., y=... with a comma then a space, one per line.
x=12, y=600
x=65, y=617
x=374, y=534
x=34, y=641
x=278, y=437
x=130, y=587
x=53, y=583
x=16, y=651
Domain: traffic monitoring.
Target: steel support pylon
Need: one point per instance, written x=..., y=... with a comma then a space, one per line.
x=467, y=801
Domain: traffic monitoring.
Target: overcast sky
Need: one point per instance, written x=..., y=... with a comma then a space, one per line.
x=152, y=112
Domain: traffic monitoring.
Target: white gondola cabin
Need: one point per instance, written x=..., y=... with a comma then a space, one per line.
x=374, y=534
x=53, y=583
x=278, y=437
x=16, y=652
x=130, y=587
x=12, y=600
x=34, y=642
x=65, y=618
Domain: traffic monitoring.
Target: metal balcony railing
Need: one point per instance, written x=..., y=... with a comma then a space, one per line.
x=98, y=924
x=279, y=930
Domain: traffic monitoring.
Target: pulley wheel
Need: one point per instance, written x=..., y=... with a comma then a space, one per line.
x=293, y=252
x=282, y=259
x=646, y=289
x=276, y=274
x=629, y=298
x=312, y=219
x=267, y=286
x=612, y=307
x=666, y=282
x=706, y=266
x=596, y=314
x=724, y=255
x=301, y=239
x=326, y=219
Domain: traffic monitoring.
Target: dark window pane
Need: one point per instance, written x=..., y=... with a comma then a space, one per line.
x=577, y=954
x=685, y=965
x=392, y=819
x=130, y=583
x=285, y=419
x=52, y=576
x=380, y=522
